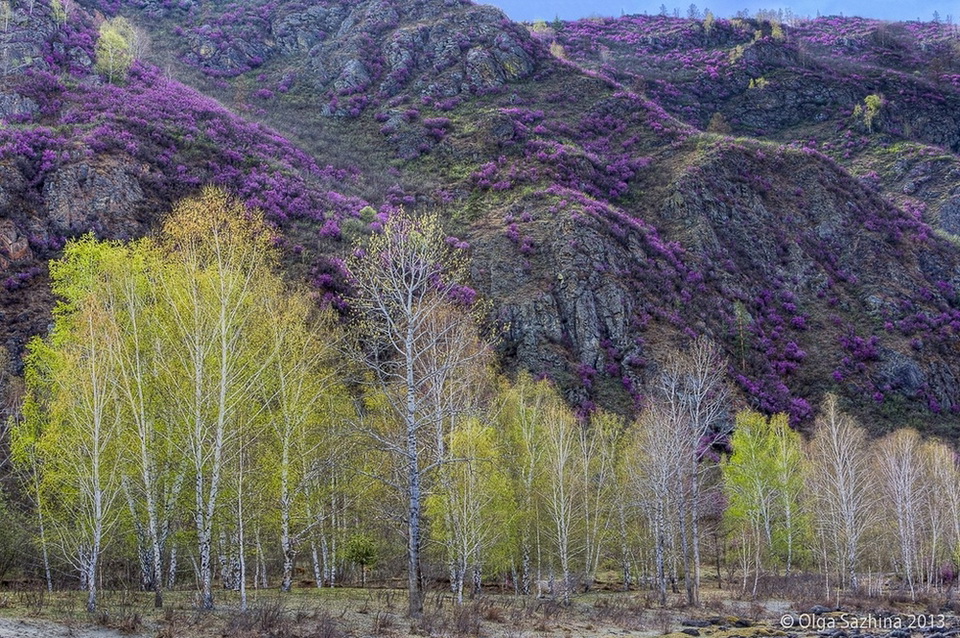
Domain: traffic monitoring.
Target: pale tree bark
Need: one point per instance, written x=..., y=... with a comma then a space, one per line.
x=693, y=386
x=900, y=477
x=25, y=436
x=413, y=327
x=839, y=487
x=562, y=497
x=597, y=455
x=655, y=455
x=942, y=505
x=82, y=445
x=302, y=435
x=473, y=499
x=522, y=411
x=156, y=472
x=215, y=288
x=623, y=529
x=789, y=473
x=241, y=545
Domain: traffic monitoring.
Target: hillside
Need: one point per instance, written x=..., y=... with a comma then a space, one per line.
x=610, y=213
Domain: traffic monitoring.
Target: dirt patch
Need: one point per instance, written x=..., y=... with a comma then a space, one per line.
x=34, y=628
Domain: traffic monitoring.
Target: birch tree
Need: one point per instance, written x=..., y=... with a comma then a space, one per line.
x=219, y=270
x=657, y=449
x=25, y=434
x=562, y=489
x=153, y=468
x=788, y=462
x=598, y=463
x=763, y=483
x=942, y=504
x=522, y=408
x=900, y=476
x=694, y=389
x=114, y=54
x=472, y=506
x=417, y=337
x=308, y=401
x=751, y=492
x=839, y=489
x=72, y=382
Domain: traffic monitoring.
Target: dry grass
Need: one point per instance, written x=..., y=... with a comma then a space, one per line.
x=343, y=613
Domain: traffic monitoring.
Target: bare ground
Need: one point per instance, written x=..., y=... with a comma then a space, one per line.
x=355, y=613
x=37, y=628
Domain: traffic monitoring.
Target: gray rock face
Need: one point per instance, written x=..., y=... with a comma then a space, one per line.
x=902, y=373
x=567, y=307
x=13, y=105
x=11, y=183
x=23, y=38
x=83, y=198
x=236, y=55
x=14, y=246
x=353, y=78
x=379, y=47
x=585, y=306
x=950, y=216
x=298, y=33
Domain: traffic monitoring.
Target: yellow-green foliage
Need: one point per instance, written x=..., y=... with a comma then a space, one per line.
x=759, y=83
x=540, y=26
x=709, y=22
x=166, y=354
x=736, y=53
x=557, y=50
x=6, y=13
x=474, y=504
x=872, y=105
x=763, y=482
x=114, y=50
x=947, y=236
x=59, y=12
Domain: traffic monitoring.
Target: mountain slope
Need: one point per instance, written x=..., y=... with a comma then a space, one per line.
x=605, y=230
x=81, y=155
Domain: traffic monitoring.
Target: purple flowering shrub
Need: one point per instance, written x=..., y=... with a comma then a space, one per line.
x=189, y=138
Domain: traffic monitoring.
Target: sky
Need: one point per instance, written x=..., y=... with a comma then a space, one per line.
x=573, y=9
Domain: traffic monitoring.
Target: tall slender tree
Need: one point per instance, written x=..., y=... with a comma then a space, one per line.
x=696, y=398
x=597, y=443
x=417, y=337
x=472, y=506
x=522, y=408
x=901, y=478
x=308, y=401
x=657, y=451
x=72, y=388
x=152, y=467
x=220, y=268
x=839, y=487
x=763, y=482
x=562, y=495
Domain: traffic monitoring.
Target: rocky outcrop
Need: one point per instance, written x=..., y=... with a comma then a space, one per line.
x=606, y=232
x=376, y=47
x=14, y=106
x=104, y=200
x=33, y=35
x=14, y=246
x=950, y=215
